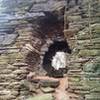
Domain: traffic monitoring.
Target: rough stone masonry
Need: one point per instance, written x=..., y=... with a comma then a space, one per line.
x=18, y=19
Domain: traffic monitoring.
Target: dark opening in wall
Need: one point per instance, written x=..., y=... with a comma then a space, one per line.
x=61, y=46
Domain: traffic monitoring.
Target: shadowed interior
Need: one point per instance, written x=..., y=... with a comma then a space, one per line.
x=55, y=47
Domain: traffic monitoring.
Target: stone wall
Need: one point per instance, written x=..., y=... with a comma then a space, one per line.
x=17, y=21
x=84, y=67
x=15, y=31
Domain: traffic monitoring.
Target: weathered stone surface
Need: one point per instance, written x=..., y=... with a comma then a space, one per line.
x=92, y=97
x=74, y=18
x=47, y=89
x=20, y=64
x=89, y=53
x=42, y=97
x=90, y=46
x=47, y=6
x=89, y=67
x=84, y=34
x=96, y=89
x=92, y=67
x=49, y=83
x=31, y=87
x=8, y=66
x=6, y=71
x=8, y=39
x=18, y=72
x=24, y=92
x=14, y=85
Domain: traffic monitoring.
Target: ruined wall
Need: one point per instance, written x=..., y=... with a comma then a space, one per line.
x=15, y=31
x=84, y=69
x=17, y=23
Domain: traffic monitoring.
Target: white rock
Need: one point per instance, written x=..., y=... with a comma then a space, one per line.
x=59, y=60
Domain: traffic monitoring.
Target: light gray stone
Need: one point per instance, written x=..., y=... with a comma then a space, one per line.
x=9, y=39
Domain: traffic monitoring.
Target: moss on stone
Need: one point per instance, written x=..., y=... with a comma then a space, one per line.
x=75, y=79
x=96, y=89
x=89, y=67
x=93, y=96
x=92, y=69
x=87, y=52
x=84, y=34
x=74, y=18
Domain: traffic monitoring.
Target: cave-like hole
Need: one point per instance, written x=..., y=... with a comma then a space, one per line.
x=53, y=48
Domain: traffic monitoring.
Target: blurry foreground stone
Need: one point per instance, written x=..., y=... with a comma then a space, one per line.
x=42, y=97
x=61, y=95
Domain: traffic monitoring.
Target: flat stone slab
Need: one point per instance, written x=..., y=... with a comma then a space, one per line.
x=47, y=89
x=7, y=39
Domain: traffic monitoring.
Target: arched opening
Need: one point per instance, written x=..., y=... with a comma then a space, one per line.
x=53, y=48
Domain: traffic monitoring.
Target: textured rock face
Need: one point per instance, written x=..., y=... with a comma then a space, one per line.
x=83, y=75
x=20, y=25
x=59, y=60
